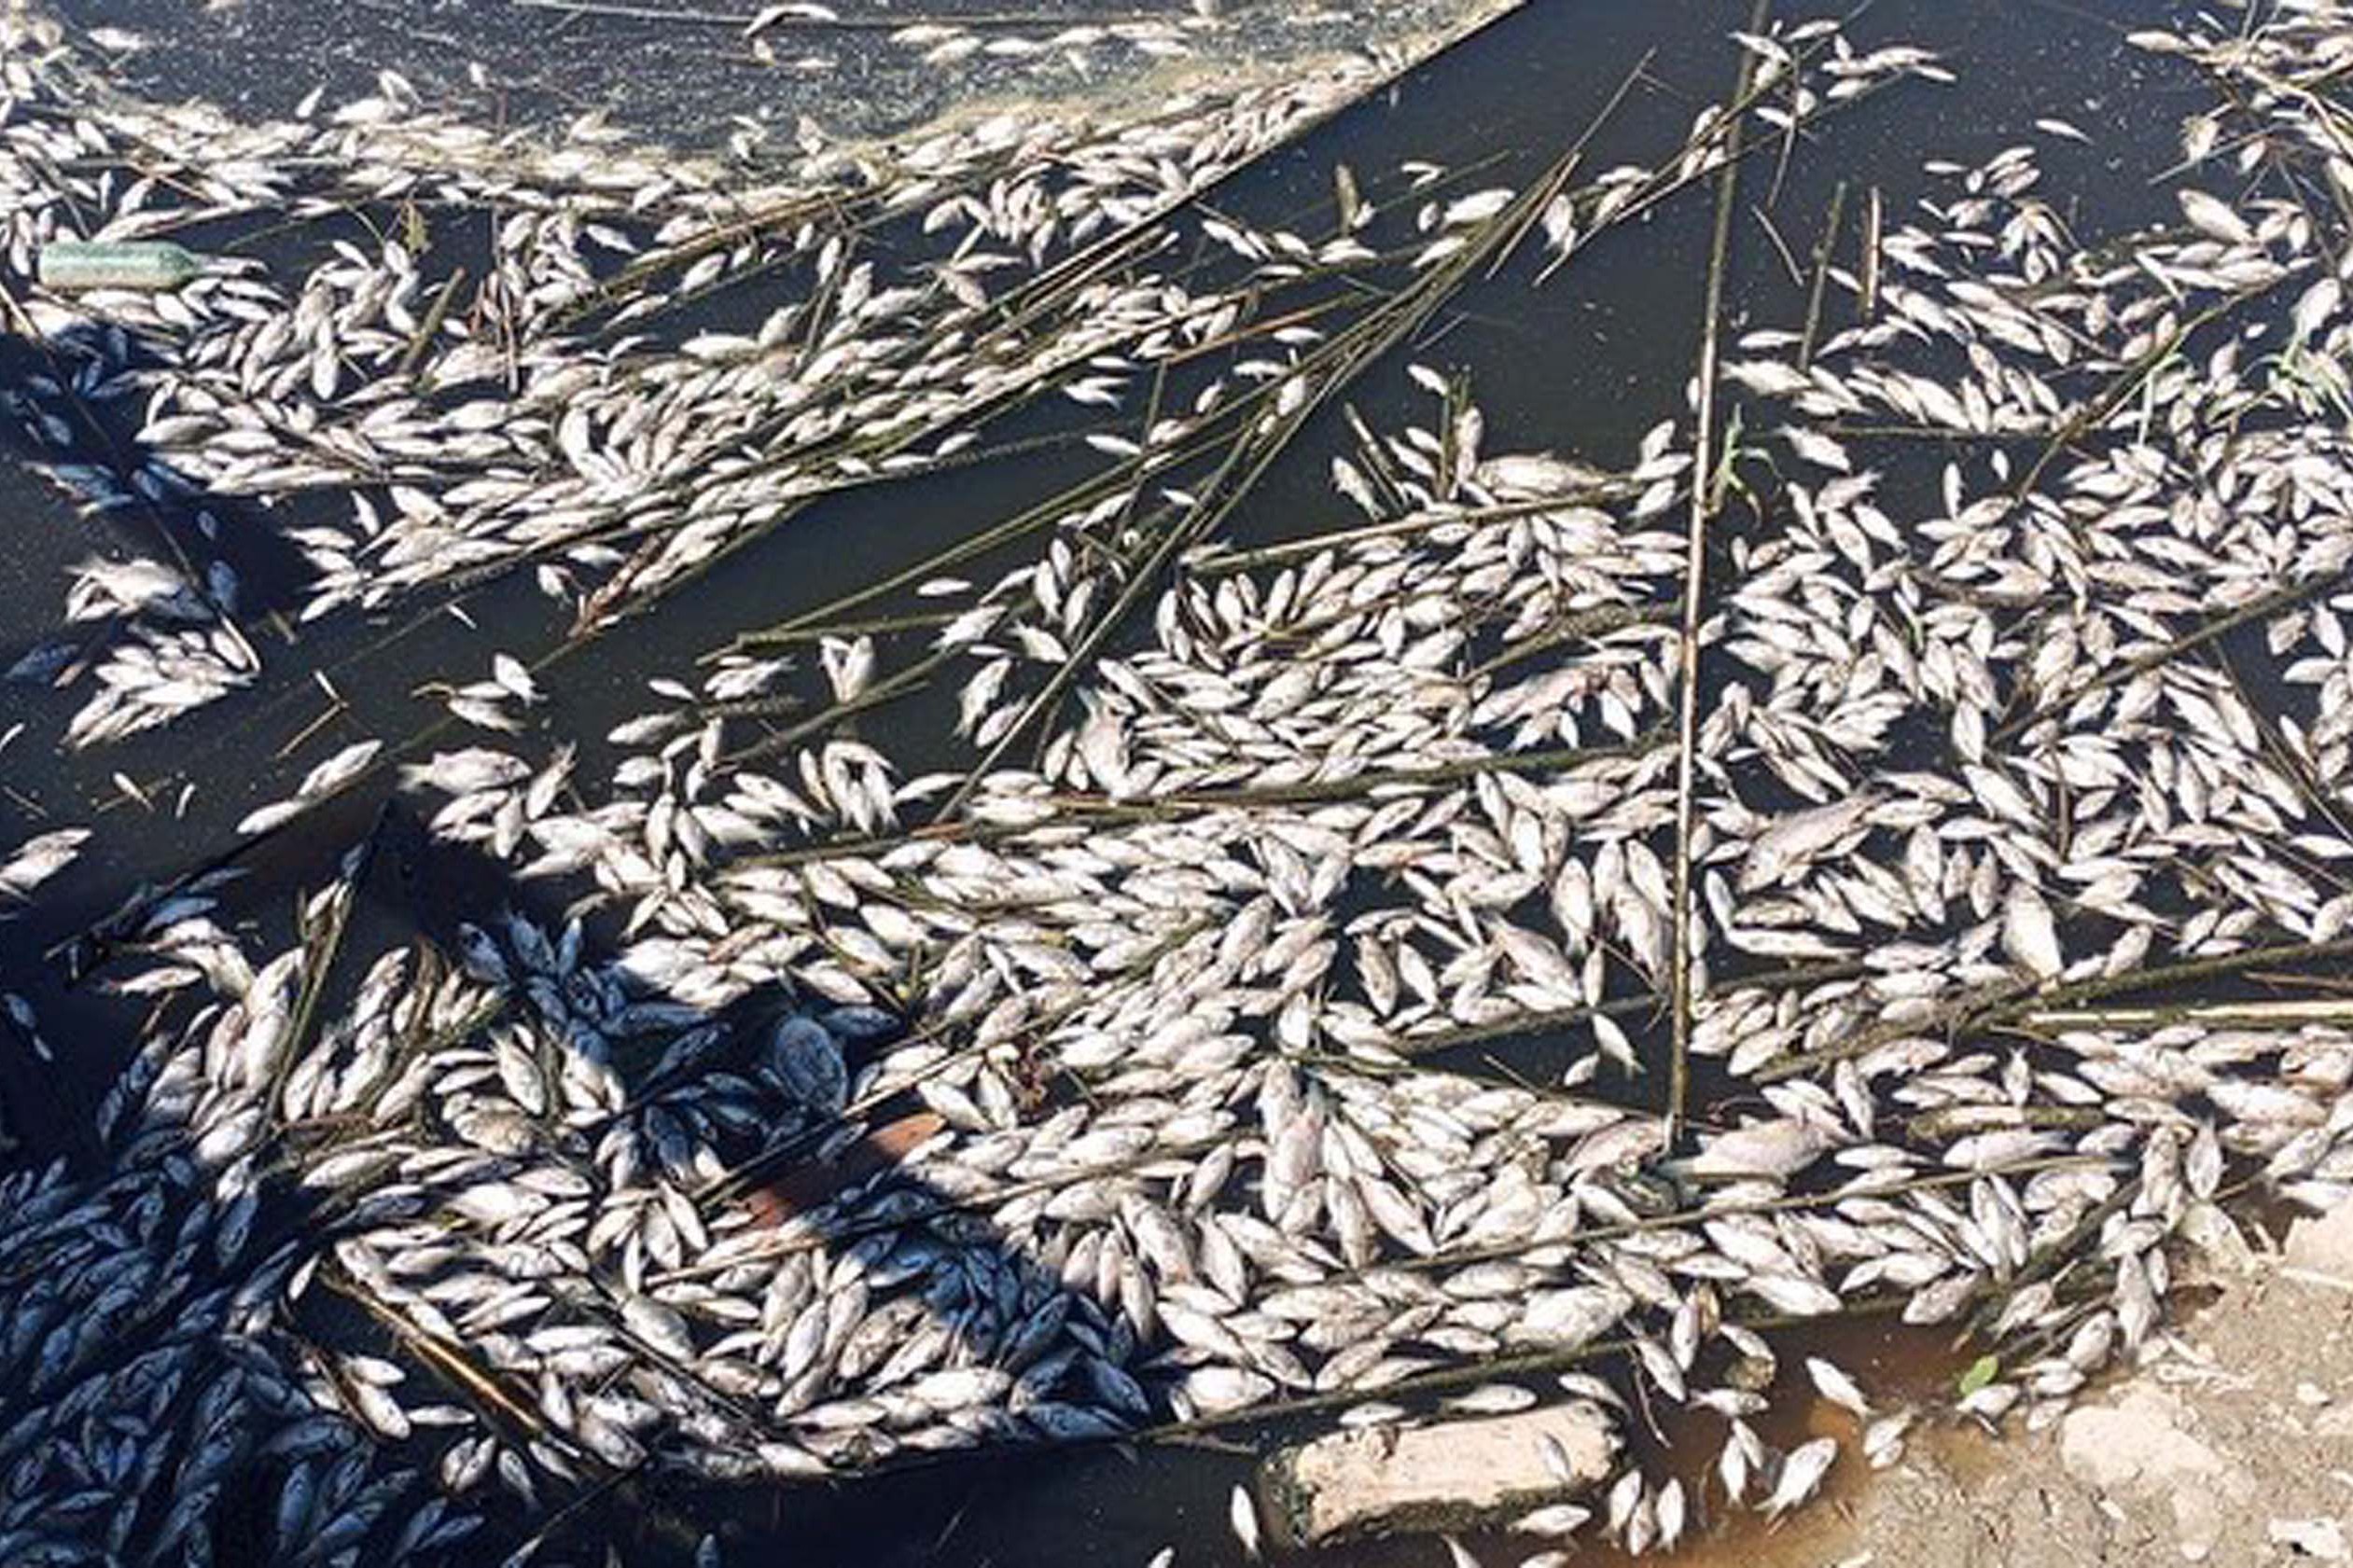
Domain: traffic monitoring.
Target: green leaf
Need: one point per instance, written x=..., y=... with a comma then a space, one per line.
x=1979, y=1373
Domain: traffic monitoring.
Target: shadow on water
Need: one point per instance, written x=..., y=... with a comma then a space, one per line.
x=74, y=410
x=978, y=1282
x=417, y=894
x=71, y=411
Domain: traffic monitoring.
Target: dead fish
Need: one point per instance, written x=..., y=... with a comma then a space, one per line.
x=1800, y=1474
x=1244, y=1517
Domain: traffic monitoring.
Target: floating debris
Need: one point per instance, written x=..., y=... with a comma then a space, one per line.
x=69, y=266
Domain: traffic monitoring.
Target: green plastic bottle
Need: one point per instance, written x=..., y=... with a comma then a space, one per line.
x=71, y=265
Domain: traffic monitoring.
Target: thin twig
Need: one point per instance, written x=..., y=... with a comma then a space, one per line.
x=435, y=314
x=1336, y=367
x=1822, y=250
x=753, y=22
x=2284, y=1014
x=1072, y=810
x=2261, y=608
x=1695, y=569
x=2092, y=413
x=2013, y=999
x=1217, y=561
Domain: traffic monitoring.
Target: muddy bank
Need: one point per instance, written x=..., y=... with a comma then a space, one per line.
x=2231, y=1443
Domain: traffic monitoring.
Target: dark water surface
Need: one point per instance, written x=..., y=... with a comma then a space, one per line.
x=685, y=71
x=1581, y=366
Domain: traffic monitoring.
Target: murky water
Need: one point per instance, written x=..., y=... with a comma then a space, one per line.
x=700, y=75
x=1579, y=366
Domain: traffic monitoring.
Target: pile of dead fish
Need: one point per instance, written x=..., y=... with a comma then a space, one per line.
x=859, y=1115
x=530, y=425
